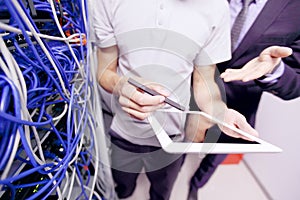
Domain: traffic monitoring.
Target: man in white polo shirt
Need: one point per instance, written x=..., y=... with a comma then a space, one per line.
x=160, y=43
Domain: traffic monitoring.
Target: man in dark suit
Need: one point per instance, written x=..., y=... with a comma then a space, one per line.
x=277, y=22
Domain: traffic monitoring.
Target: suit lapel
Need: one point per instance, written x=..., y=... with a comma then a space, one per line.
x=263, y=21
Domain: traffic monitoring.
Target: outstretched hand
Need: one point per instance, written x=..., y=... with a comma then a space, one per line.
x=265, y=63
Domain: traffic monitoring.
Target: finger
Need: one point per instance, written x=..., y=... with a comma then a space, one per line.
x=281, y=52
x=140, y=98
x=229, y=132
x=136, y=114
x=124, y=102
x=158, y=88
x=237, y=120
x=239, y=74
x=227, y=76
x=229, y=70
x=258, y=71
x=154, y=86
x=249, y=66
x=235, y=134
x=127, y=90
x=244, y=126
x=144, y=99
x=234, y=75
x=251, y=71
x=278, y=51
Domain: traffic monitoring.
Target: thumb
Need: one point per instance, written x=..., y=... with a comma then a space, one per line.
x=277, y=51
x=244, y=126
x=160, y=89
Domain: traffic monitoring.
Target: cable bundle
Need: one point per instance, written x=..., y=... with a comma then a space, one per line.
x=47, y=127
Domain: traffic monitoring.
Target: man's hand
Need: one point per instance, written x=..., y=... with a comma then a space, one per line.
x=197, y=125
x=265, y=63
x=134, y=102
x=137, y=103
x=234, y=118
x=208, y=99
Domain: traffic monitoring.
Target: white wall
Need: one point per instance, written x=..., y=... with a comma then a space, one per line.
x=278, y=122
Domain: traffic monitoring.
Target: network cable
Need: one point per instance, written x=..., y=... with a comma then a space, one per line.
x=51, y=131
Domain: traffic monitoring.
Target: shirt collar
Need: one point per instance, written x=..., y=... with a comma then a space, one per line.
x=254, y=1
x=259, y=1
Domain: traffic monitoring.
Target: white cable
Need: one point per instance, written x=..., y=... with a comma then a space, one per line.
x=78, y=127
x=3, y=66
x=3, y=34
x=92, y=192
x=35, y=149
x=88, y=95
x=84, y=15
x=104, y=178
x=14, y=73
x=80, y=101
x=66, y=183
x=62, y=114
x=24, y=90
x=78, y=147
x=58, y=191
x=11, y=159
x=11, y=70
x=62, y=32
x=71, y=183
x=96, y=167
x=49, y=37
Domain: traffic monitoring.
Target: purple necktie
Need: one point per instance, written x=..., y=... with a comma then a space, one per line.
x=238, y=23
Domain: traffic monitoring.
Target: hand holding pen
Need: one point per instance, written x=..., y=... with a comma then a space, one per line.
x=138, y=103
x=148, y=90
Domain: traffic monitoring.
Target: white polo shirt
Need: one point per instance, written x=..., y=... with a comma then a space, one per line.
x=161, y=41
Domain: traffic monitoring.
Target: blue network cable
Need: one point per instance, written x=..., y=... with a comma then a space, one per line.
x=8, y=129
x=14, y=13
x=44, y=93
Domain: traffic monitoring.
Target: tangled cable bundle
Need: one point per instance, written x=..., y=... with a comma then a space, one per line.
x=47, y=124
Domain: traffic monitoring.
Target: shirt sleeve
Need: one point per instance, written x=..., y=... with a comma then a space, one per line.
x=102, y=18
x=218, y=46
x=274, y=76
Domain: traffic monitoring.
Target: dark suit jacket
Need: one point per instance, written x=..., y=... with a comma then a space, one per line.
x=277, y=24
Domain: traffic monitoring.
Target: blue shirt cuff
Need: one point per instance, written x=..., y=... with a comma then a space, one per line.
x=274, y=76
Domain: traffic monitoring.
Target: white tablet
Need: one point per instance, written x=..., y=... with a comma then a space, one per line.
x=190, y=147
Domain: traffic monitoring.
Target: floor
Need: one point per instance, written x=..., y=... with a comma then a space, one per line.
x=233, y=181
